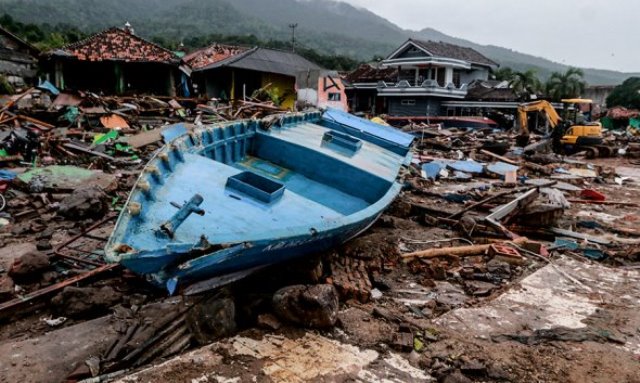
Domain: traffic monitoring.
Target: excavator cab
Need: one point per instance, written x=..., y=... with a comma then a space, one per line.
x=582, y=134
x=576, y=104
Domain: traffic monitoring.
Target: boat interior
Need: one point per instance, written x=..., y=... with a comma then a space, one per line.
x=245, y=183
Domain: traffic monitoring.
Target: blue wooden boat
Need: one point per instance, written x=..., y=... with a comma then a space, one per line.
x=227, y=198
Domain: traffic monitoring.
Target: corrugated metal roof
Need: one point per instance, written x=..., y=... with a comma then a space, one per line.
x=266, y=60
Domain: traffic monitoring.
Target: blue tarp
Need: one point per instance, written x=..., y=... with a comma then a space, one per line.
x=462, y=176
x=7, y=175
x=46, y=85
x=386, y=133
x=172, y=132
x=469, y=166
x=432, y=169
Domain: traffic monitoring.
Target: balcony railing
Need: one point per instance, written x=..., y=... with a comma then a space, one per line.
x=426, y=88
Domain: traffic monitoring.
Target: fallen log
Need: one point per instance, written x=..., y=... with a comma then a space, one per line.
x=461, y=251
x=500, y=158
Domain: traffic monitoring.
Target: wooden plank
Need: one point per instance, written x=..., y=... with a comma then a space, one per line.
x=145, y=138
x=501, y=158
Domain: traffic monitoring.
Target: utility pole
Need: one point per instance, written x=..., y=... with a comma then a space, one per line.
x=293, y=36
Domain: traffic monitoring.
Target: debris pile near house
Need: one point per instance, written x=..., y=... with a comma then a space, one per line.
x=68, y=162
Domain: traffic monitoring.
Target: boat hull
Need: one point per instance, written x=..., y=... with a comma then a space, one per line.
x=248, y=256
x=231, y=198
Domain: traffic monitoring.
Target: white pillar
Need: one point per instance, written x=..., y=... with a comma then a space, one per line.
x=448, y=76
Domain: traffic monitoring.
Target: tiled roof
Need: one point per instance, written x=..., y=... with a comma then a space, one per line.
x=211, y=54
x=441, y=49
x=370, y=73
x=266, y=60
x=117, y=44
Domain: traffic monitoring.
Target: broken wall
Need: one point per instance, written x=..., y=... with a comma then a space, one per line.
x=322, y=89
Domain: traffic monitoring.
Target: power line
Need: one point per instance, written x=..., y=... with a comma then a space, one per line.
x=293, y=36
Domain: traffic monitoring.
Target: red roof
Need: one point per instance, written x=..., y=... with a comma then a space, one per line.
x=211, y=54
x=118, y=44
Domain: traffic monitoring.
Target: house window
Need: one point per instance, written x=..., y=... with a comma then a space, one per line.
x=334, y=96
x=408, y=102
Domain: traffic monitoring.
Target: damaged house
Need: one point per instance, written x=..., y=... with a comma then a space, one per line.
x=428, y=73
x=362, y=87
x=18, y=59
x=234, y=73
x=116, y=61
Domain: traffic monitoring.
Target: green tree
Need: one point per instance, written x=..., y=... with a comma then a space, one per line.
x=626, y=94
x=503, y=74
x=569, y=84
x=525, y=84
x=43, y=36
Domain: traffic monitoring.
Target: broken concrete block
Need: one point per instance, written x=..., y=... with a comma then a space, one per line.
x=212, y=319
x=506, y=254
x=84, y=203
x=85, y=301
x=268, y=321
x=60, y=179
x=310, y=306
x=29, y=265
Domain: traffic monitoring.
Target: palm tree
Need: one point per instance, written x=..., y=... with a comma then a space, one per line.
x=503, y=74
x=569, y=84
x=525, y=84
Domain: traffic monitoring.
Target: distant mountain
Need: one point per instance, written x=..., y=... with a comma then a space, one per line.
x=522, y=61
x=325, y=25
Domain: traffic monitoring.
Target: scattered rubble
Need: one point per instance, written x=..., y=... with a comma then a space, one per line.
x=496, y=263
x=84, y=203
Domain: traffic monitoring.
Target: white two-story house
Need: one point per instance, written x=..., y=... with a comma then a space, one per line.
x=429, y=73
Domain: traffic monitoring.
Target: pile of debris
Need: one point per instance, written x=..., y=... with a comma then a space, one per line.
x=69, y=161
x=477, y=215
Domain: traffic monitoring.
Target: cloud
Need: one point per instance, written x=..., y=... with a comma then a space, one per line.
x=586, y=33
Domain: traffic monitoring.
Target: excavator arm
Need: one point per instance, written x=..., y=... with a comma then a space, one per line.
x=537, y=106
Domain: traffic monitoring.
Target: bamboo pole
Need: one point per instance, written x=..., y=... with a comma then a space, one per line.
x=461, y=251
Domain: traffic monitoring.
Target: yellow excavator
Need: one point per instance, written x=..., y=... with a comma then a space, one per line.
x=567, y=137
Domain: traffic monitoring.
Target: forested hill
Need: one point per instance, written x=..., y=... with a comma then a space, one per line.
x=324, y=25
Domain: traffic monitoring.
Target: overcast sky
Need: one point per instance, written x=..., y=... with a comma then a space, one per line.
x=587, y=33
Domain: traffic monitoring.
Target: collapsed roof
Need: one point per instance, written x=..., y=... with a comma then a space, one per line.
x=116, y=44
